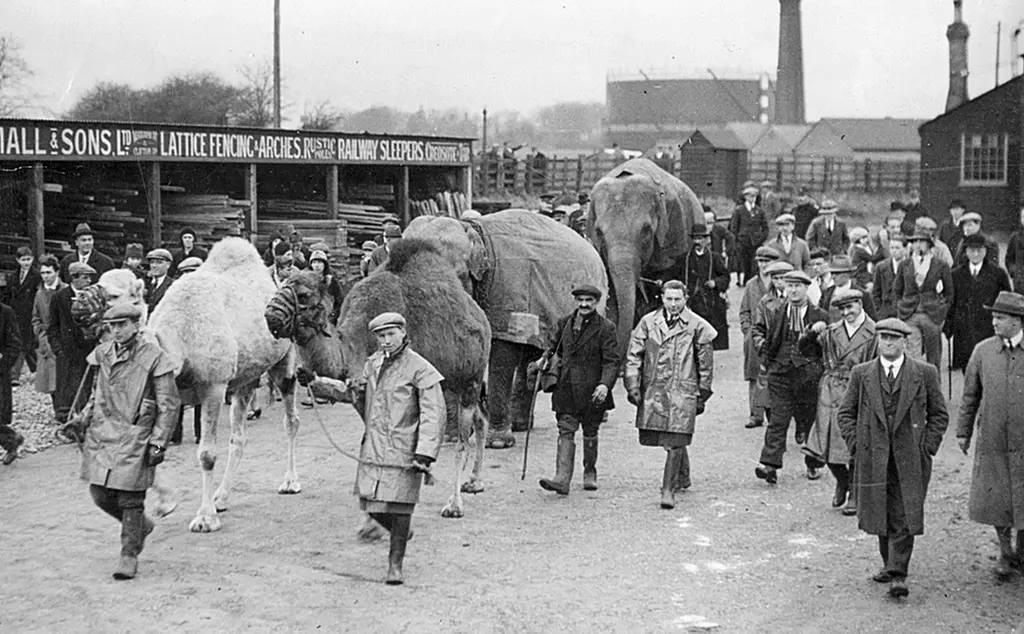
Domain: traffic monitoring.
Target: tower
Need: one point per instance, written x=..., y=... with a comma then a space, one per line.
x=789, y=93
x=957, y=34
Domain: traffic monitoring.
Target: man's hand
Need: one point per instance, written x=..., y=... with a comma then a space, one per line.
x=422, y=463
x=154, y=455
x=964, y=443
x=818, y=327
x=633, y=396
x=305, y=377
x=710, y=283
x=600, y=393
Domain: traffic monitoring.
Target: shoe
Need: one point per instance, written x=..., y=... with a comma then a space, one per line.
x=133, y=538
x=752, y=423
x=1003, y=569
x=898, y=588
x=800, y=438
x=307, y=402
x=590, y=463
x=683, y=482
x=882, y=576
x=839, y=497
x=670, y=476
x=813, y=473
x=565, y=460
x=12, y=453
x=766, y=473
x=400, y=534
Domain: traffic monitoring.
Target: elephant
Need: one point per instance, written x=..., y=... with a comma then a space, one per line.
x=520, y=267
x=640, y=224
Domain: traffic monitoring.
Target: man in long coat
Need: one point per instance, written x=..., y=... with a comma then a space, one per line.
x=885, y=278
x=845, y=344
x=22, y=296
x=749, y=225
x=976, y=284
x=706, y=278
x=827, y=231
x=993, y=399
x=10, y=348
x=46, y=368
x=723, y=243
x=669, y=370
x=69, y=342
x=757, y=396
x=892, y=419
x=791, y=248
x=924, y=291
x=85, y=253
x=588, y=369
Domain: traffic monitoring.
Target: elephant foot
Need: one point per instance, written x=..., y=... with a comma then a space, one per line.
x=164, y=508
x=472, y=486
x=453, y=509
x=370, y=531
x=205, y=522
x=500, y=439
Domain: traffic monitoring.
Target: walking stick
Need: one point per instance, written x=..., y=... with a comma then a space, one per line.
x=529, y=425
x=949, y=366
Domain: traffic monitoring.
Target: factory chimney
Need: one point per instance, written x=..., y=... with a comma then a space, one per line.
x=957, y=34
x=789, y=89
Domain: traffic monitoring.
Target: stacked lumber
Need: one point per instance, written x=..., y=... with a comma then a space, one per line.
x=116, y=214
x=447, y=203
x=211, y=216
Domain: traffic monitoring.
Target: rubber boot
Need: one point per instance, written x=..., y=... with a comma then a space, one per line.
x=683, y=481
x=399, y=538
x=1007, y=558
x=851, y=501
x=590, y=463
x=133, y=537
x=668, y=480
x=842, y=476
x=565, y=461
x=175, y=438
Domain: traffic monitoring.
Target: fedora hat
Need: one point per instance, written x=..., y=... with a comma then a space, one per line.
x=841, y=264
x=829, y=206
x=700, y=231
x=83, y=229
x=1008, y=303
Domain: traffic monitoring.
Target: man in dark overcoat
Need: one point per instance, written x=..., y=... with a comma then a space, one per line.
x=828, y=232
x=68, y=341
x=160, y=280
x=588, y=369
x=793, y=368
x=723, y=243
x=750, y=226
x=924, y=291
x=805, y=211
x=758, y=287
x=706, y=278
x=85, y=253
x=992, y=402
x=885, y=278
x=892, y=419
x=976, y=284
x=21, y=297
x=10, y=348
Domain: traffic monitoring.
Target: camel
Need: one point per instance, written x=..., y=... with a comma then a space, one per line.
x=211, y=324
x=445, y=326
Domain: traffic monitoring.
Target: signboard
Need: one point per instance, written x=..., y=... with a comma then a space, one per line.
x=74, y=141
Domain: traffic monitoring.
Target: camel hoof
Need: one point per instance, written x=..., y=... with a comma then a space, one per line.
x=472, y=486
x=163, y=509
x=450, y=511
x=204, y=524
x=289, y=487
x=371, y=532
x=220, y=502
x=501, y=440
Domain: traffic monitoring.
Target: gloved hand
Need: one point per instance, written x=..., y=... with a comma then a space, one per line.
x=305, y=377
x=633, y=396
x=154, y=455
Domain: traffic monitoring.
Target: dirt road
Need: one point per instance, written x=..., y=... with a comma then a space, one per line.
x=734, y=553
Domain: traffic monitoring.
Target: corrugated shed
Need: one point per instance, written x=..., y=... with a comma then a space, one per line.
x=748, y=133
x=822, y=140
x=772, y=143
x=879, y=135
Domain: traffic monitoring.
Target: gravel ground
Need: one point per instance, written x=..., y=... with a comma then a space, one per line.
x=33, y=417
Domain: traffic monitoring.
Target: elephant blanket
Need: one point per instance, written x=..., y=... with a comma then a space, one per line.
x=533, y=263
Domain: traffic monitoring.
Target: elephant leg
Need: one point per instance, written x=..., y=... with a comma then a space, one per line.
x=505, y=358
x=520, y=398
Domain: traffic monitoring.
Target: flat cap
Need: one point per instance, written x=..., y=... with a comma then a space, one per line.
x=767, y=254
x=926, y=222
x=160, y=254
x=828, y=206
x=858, y=233
x=392, y=231
x=797, y=276
x=893, y=326
x=750, y=189
x=321, y=246
x=134, y=250
x=369, y=245
x=975, y=241
x=845, y=296
x=83, y=229
x=784, y=218
x=586, y=289
x=971, y=215
x=387, y=320
x=121, y=312
x=767, y=184
x=562, y=209
x=841, y=264
x=189, y=264
x=318, y=255
x=923, y=237
x=470, y=213
x=778, y=268
x=700, y=231
x=80, y=268
x=391, y=219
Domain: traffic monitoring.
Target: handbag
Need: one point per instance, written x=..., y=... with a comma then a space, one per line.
x=552, y=372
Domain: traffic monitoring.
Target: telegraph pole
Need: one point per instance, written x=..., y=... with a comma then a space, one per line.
x=277, y=63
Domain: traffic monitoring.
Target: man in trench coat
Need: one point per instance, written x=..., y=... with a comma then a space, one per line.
x=892, y=419
x=992, y=400
x=757, y=398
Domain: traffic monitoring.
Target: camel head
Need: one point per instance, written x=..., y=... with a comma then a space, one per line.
x=114, y=287
x=300, y=308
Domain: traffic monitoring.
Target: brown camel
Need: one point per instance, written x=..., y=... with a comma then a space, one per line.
x=211, y=324
x=445, y=326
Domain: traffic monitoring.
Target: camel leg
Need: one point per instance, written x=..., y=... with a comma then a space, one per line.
x=453, y=509
x=166, y=500
x=206, y=520
x=283, y=376
x=469, y=426
x=236, y=445
x=474, y=485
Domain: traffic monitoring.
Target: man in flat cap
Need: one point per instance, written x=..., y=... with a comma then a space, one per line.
x=189, y=265
x=127, y=421
x=159, y=281
x=924, y=292
x=827, y=231
x=976, y=284
x=791, y=248
x=845, y=343
x=670, y=367
x=85, y=253
x=368, y=246
x=21, y=296
x=892, y=419
x=707, y=279
x=380, y=255
x=757, y=395
x=841, y=270
x=970, y=225
x=400, y=399
x=390, y=220
x=992, y=403
x=588, y=368
x=69, y=342
x=792, y=362
x=750, y=226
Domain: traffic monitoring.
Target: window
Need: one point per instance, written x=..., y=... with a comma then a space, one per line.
x=983, y=159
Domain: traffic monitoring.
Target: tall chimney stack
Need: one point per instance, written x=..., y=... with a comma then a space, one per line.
x=957, y=34
x=789, y=90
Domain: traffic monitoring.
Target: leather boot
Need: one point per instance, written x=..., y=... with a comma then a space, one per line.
x=842, y=476
x=683, y=481
x=133, y=537
x=851, y=500
x=669, y=477
x=1004, y=566
x=399, y=538
x=565, y=461
x=1020, y=549
x=590, y=463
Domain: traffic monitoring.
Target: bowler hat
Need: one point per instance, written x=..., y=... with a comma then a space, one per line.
x=841, y=264
x=700, y=231
x=160, y=254
x=1008, y=303
x=134, y=250
x=387, y=320
x=767, y=254
x=971, y=215
x=587, y=289
x=797, y=276
x=80, y=268
x=975, y=241
x=784, y=218
x=893, y=326
x=845, y=296
x=82, y=229
x=189, y=264
x=122, y=312
x=778, y=268
x=828, y=206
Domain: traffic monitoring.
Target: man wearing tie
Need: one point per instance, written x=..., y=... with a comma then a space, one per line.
x=976, y=283
x=892, y=419
x=85, y=253
x=749, y=225
x=22, y=298
x=827, y=231
x=923, y=290
x=159, y=264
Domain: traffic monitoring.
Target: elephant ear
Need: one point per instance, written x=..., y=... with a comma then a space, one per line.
x=477, y=263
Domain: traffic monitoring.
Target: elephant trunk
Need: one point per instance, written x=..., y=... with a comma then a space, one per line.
x=623, y=275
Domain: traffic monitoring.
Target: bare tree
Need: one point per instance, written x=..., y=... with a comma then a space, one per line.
x=14, y=74
x=255, y=103
x=321, y=116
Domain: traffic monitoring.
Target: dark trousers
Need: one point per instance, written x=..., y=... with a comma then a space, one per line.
x=27, y=357
x=569, y=423
x=114, y=501
x=8, y=437
x=790, y=396
x=896, y=547
x=746, y=266
x=70, y=370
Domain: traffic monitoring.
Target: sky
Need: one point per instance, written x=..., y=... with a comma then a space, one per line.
x=862, y=58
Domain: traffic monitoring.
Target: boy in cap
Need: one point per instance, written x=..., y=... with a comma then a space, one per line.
x=21, y=297
x=750, y=226
x=757, y=288
x=159, y=278
x=790, y=247
x=993, y=405
x=792, y=362
x=127, y=420
x=588, y=369
x=369, y=246
x=892, y=419
x=85, y=253
x=827, y=231
x=976, y=283
x=924, y=292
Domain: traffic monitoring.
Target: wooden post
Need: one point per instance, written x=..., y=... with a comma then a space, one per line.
x=467, y=185
x=36, y=232
x=402, y=196
x=251, y=195
x=332, y=192
x=579, y=172
x=155, y=209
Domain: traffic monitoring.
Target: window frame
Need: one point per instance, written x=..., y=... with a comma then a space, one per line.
x=1005, y=167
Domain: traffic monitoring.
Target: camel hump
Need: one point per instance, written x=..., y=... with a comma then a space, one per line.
x=405, y=250
x=232, y=253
